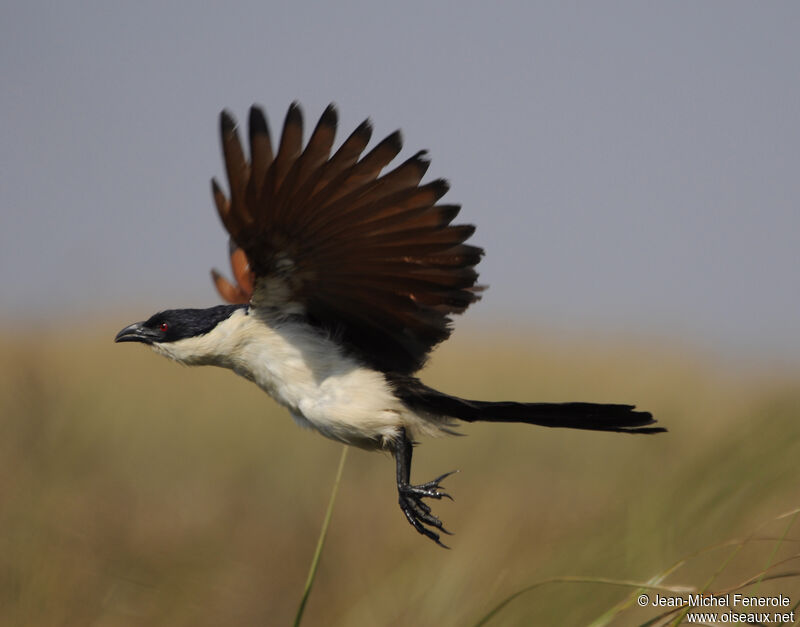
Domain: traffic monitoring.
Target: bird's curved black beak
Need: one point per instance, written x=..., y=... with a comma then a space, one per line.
x=136, y=332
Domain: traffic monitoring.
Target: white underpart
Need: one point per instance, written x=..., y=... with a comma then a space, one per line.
x=306, y=372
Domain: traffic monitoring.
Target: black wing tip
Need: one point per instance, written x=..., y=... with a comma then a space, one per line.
x=365, y=128
x=215, y=188
x=330, y=116
x=422, y=158
x=394, y=140
x=227, y=123
x=440, y=187
x=467, y=230
x=363, y=132
x=295, y=114
x=448, y=212
x=257, y=122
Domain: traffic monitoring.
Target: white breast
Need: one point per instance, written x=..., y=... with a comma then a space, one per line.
x=308, y=373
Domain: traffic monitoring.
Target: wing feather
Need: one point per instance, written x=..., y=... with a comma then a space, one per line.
x=237, y=169
x=242, y=290
x=229, y=292
x=290, y=145
x=370, y=258
x=260, y=154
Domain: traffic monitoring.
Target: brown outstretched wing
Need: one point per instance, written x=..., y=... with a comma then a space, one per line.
x=372, y=259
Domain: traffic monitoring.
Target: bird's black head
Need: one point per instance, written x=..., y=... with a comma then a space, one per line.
x=176, y=324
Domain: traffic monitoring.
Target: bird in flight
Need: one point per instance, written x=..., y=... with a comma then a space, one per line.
x=345, y=278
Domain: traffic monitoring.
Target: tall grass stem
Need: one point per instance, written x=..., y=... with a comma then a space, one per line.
x=312, y=570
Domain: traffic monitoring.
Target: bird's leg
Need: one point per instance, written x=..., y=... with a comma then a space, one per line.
x=410, y=496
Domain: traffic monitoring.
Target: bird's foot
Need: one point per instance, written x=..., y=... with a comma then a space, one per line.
x=418, y=513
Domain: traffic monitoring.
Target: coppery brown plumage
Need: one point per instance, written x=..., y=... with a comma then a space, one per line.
x=241, y=290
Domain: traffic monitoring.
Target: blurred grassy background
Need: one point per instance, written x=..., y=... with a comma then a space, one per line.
x=137, y=492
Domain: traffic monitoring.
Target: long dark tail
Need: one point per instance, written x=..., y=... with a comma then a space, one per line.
x=592, y=416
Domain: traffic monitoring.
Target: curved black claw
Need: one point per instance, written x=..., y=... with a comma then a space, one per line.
x=418, y=513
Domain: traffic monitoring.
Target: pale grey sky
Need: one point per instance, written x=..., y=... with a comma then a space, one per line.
x=630, y=166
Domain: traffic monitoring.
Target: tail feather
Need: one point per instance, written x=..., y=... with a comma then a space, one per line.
x=591, y=416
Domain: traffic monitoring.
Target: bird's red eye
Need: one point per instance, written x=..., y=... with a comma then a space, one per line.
x=163, y=326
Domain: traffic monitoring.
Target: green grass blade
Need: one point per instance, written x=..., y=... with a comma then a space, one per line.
x=595, y=580
x=682, y=614
x=792, y=519
x=312, y=570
